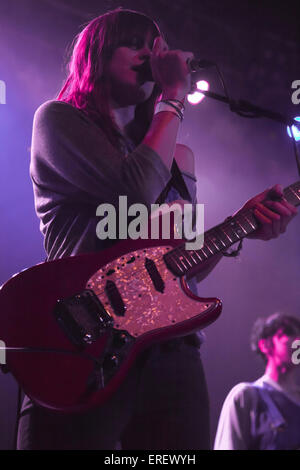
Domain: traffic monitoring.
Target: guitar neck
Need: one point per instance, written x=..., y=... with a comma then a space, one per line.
x=218, y=239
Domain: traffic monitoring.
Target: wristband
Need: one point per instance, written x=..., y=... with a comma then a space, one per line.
x=167, y=106
x=177, y=103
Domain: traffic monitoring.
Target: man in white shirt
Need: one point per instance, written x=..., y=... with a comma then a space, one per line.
x=265, y=414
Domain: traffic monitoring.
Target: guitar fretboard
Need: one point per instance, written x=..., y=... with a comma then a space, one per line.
x=218, y=239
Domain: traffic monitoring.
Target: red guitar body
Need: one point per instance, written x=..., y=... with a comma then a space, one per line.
x=73, y=327
x=73, y=361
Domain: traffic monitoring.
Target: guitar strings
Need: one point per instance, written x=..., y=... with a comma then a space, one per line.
x=182, y=252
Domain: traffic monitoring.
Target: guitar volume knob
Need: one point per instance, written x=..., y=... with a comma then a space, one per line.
x=111, y=362
x=88, y=338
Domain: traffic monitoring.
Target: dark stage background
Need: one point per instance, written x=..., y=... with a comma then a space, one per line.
x=256, y=46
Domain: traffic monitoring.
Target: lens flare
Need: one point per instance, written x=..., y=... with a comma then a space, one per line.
x=197, y=96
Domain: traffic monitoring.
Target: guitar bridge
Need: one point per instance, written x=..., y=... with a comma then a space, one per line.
x=82, y=317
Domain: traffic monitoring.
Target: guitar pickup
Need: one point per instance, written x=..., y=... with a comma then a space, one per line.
x=154, y=275
x=82, y=317
x=115, y=298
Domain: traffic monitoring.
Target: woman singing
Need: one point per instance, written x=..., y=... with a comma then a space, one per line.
x=112, y=131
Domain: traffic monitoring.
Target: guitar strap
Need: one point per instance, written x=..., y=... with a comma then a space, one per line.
x=177, y=182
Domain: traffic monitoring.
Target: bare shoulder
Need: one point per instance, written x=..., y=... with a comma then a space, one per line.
x=185, y=158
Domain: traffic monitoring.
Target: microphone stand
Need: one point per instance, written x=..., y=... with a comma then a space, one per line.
x=245, y=109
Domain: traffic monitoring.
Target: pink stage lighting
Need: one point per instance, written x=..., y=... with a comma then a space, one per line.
x=196, y=97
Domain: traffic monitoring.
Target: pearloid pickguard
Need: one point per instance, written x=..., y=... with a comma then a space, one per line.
x=146, y=308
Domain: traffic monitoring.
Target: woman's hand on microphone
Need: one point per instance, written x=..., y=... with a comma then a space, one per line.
x=170, y=70
x=171, y=74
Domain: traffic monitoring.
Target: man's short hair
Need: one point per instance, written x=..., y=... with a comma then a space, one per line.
x=267, y=327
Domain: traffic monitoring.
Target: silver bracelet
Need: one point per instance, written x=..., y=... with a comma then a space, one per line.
x=162, y=106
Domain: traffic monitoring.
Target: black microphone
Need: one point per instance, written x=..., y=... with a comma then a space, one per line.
x=194, y=65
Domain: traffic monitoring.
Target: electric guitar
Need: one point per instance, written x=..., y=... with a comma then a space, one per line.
x=73, y=327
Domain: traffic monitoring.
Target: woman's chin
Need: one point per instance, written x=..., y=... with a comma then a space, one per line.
x=133, y=93
x=147, y=90
x=140, y=93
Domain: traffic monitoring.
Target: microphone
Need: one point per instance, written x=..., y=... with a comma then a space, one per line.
x=194, y=65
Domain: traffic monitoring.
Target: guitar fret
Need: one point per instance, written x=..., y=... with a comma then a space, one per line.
x=198, y=254
x=214, y=247
x=297, y=196
x=179, y=259
x=193, y=258
x=249, y=222
x=187, y=257
x=178, y=265
x=221, y=237
x=209, y=249
x=224, y=244
x=206, y=255
x=241, y=226
x=295, y=186
x=237, y=228
x=292, y=193
x=227, y=236
x=213, y=240
x=182, y=262
x=234, y=234
x=191, y=254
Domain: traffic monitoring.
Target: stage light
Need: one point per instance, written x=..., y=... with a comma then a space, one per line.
x=197, y=96
x=295, y=129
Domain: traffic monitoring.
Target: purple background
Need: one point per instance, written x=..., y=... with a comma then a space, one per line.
x=256, y=46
